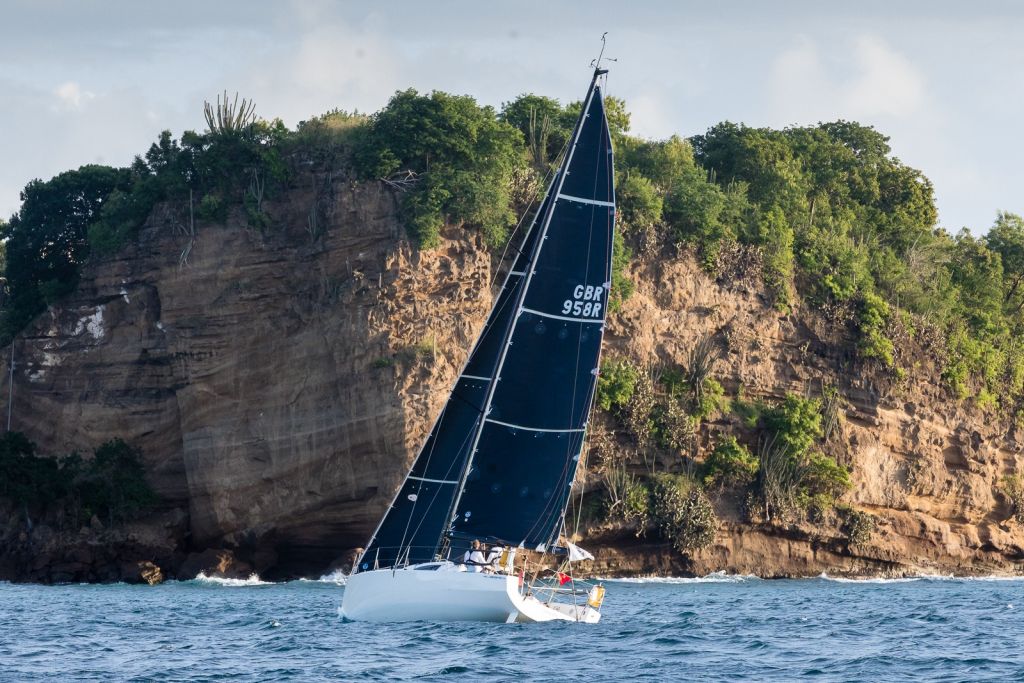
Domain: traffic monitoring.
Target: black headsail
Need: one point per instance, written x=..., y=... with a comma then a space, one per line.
x=528, y=447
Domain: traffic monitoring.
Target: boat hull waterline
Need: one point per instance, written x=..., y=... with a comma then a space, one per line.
x=433, y=593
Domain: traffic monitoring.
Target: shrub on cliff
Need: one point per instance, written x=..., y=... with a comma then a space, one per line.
x=872, y=318
x=628, y=498
x=792, y=474
x=680, y=512
x=622, y=286
x=857, y=526
x=796, y=422
x=616, y=383
x=1012, y=486
x=637, y=506
x=822, y=476
x=730, y=464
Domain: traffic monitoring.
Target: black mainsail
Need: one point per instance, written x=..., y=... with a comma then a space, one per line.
x=500, y=460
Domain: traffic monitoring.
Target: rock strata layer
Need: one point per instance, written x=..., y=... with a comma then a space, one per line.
x=278, y=383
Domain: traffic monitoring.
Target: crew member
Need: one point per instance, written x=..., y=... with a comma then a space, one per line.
x=493, y=557
x=474, y=558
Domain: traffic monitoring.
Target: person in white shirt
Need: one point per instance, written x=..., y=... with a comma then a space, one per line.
x=474, y=558
x=493, y=557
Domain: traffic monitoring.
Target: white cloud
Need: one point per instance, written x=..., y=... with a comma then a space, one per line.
x=867, y=80
x=71, y=95
x=888, y=83
x=328, y=64
x=649, y=115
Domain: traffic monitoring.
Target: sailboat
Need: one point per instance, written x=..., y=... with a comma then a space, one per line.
x=499, y=463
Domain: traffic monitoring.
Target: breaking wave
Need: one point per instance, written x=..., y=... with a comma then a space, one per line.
x=338, y=576
x=253, y=580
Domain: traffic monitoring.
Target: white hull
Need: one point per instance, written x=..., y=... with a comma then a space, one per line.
x=445, y=594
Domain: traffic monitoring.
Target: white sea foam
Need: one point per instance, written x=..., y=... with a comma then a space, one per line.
x=874, y=579
x=714, y=577
x=723, y=577
x=253, y=580
x=338, y=576
x=920, y=577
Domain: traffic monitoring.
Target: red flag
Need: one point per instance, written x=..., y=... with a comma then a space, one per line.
x=563, y=578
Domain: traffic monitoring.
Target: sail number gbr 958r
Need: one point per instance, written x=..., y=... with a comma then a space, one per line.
x=586, y=302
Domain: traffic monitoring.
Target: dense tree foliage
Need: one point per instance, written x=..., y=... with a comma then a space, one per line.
x=463, y=157
x=46, y=241
x=110, y=484
x=837, y=221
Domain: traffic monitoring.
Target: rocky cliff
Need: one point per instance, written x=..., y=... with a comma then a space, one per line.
x=925, y=466
x=279, y=381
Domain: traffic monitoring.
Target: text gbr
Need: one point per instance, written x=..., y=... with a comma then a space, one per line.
x=586, y=302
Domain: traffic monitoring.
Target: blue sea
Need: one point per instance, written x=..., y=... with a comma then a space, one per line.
x=719, y=628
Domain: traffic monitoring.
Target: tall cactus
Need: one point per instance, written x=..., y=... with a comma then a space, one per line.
x=229, y=117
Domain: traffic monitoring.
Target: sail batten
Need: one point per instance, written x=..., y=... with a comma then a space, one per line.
x=554, y=316
x=533, y=429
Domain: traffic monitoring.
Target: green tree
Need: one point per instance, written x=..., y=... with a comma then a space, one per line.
x=114, y=482
x=774, y=233
x=1006, y=238
x=463, y=155
x=977, y=271
x=26, y=480
x=47, y=240
x=693, y=208
x=639, y=202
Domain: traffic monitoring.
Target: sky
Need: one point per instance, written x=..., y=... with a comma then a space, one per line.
x=95, y=82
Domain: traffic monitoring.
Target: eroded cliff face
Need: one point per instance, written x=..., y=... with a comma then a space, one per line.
x=925, y=466
x=276, y=383
x=279, y=382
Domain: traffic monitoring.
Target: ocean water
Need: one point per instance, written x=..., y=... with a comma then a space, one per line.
x=718, y=628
